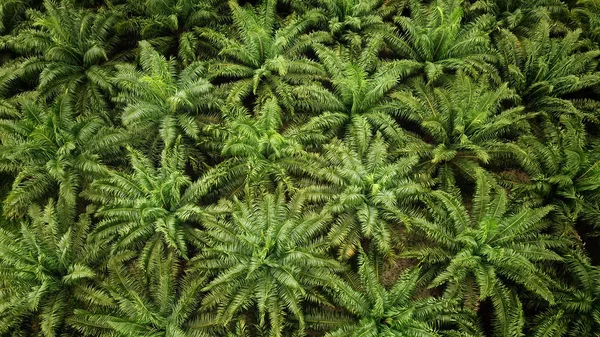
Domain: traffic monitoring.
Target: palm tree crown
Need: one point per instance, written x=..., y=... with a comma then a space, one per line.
x=158, y=101
x=172, y=26
x=544, y=70
x=161, y=300
x=435, y=36
x=268, y=255
x=371, y=194
x=52, y=147
x=80, y=57
x=491, y=245
x=262, y=61
x=361, y=105
x=149, y=204
x=46, y=268
x=394, y=311
x=465, y=126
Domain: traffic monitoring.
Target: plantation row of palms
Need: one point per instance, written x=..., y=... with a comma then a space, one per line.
x=331, y=168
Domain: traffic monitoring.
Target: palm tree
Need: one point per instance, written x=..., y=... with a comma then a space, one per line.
x=587, y=13
x=159, y=301
x=465, y=126
x=477, y=254
x=259, y=61
x=521, y=15
x=53, y=152
x=148, y=207
x=378, y=311
x=577, y=309
x=434, y=35
x=371, y=194
x=157, y=100
x=74, y=52
x=589, y=183
x=544, y=71
x=362, y=103
x=12, y=13
x=266, y=257
x=566, y=175
x=47, y=268
x=356, y=23
x=257, y=153
x=171, y=26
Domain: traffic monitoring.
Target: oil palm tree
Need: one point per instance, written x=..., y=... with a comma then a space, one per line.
x=257, y=153
x=146, y=207
x=566, y=175
x=356, y=23
x=159, y=301
x=159, y=99
x=259, y=60
x=379, y=311
x=171, y=26
x=465, y=126
x=479, y=253
x=53, y=152
x=78, y=55
x=544, y=71
x=371, y=194
x=577, y=309
x=265, y=258
x=47, y=268
x=589, y=183
x=519, y=16
x=436, y=36
x=361, y=105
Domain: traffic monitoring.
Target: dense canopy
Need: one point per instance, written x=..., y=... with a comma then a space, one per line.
x=330, y=168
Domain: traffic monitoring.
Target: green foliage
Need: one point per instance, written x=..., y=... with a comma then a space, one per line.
x=466, y=124
x=257, y=154
x=435, y=36
x=565, y=175
x=307, y=168
x=158, y=300
x=262, y=60
x=543, y=70
x=587, y=16
x=371, y=196
x=45, y=268
x=172, y=26
x=391, y=312
x=356, y=23
x=156, y=101
x=12, y=13
x=577, y=312
x=149, y=205
x=362, y=105
x=266, y=257
x=492, y=245
x=53, y=153
x=70, y=52
x=520, y=15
